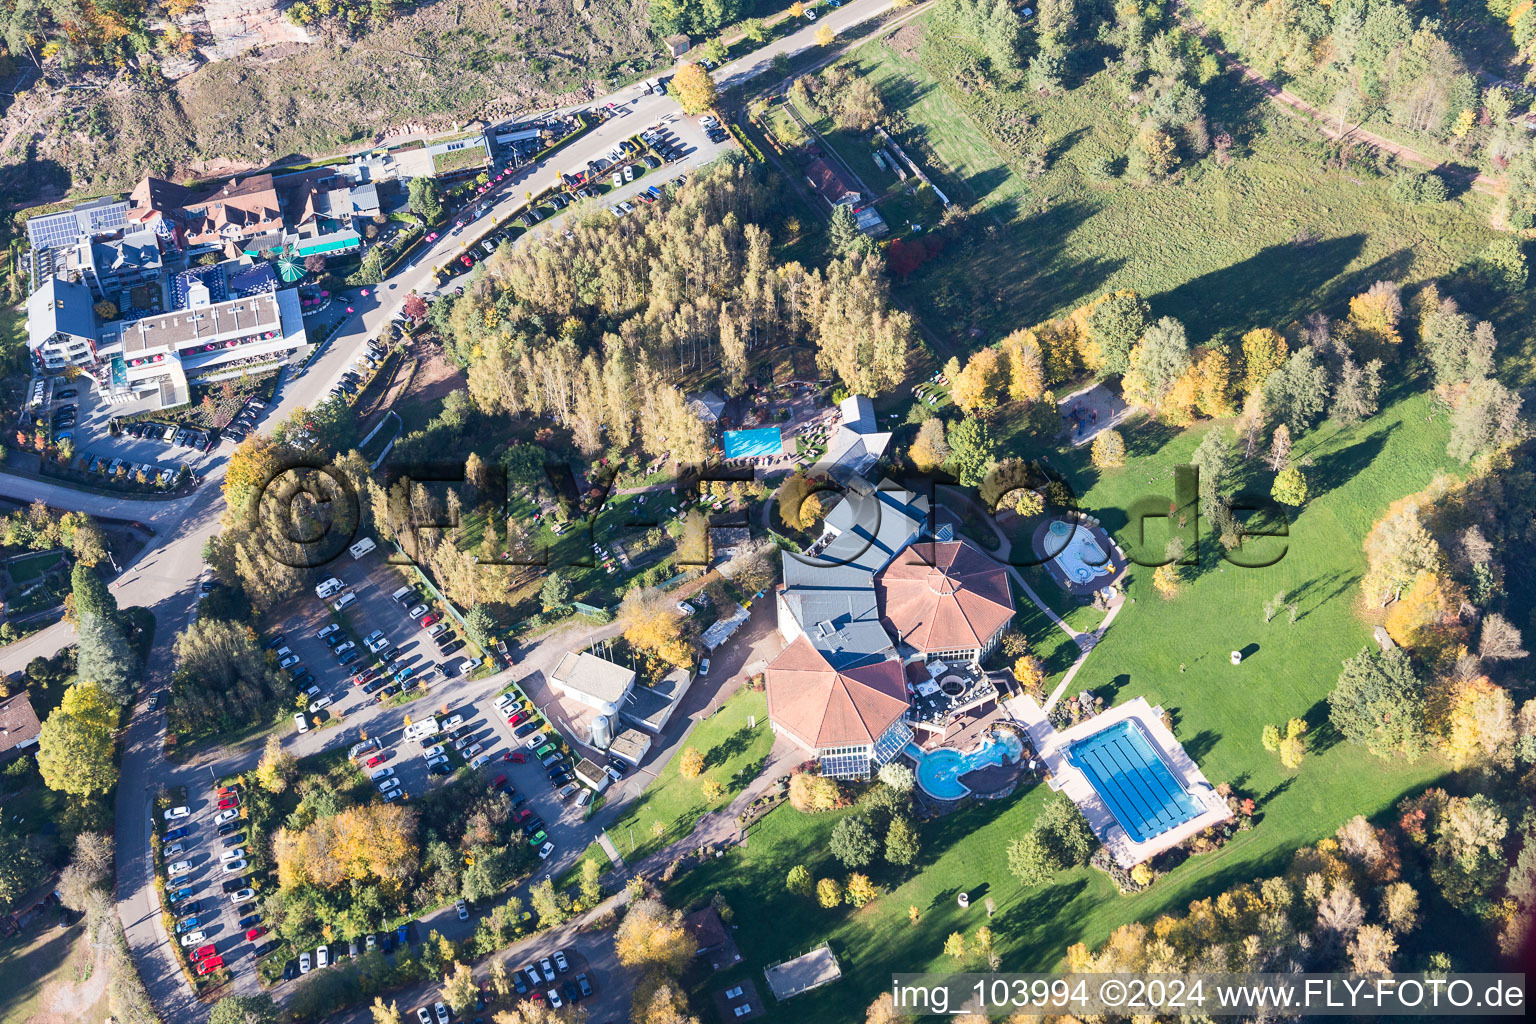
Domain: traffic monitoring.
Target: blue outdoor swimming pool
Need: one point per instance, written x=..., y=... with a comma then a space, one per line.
x=746, y=444
x=1133, y=780
x=939, y=771
x=1078, y=554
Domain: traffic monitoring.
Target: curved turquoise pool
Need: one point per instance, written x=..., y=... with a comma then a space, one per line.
x=939, y=771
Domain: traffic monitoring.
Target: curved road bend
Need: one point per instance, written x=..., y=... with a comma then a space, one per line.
x=163, y=577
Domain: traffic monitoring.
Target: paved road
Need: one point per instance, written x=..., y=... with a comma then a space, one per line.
x=163, y=577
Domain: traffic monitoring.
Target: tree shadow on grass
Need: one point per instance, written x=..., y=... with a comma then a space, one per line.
x=1201, y=743
x=1339, y=467
x=734, y=744
x=1027, y=917
x=1321, y=734
x=1276, y=285
x=1148, y=437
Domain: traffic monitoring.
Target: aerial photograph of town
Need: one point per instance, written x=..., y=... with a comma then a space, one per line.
x=820, y=512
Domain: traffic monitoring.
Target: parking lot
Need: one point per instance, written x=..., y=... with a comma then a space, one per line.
x=89, y=432
x=215, y=911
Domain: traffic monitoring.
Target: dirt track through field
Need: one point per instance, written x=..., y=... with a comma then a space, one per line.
x=1285, y=98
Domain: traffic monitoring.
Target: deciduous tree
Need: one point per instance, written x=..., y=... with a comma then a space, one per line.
x=75, y=744
x=693, y=89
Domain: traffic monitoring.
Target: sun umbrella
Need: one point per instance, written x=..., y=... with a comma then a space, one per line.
x=349, y=309
x=289, y=268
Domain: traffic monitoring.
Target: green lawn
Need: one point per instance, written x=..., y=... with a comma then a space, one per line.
x=734, y=754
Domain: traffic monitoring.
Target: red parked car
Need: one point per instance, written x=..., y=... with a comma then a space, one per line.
x=375, y=760
x=519, y=757
x=256, y=933
x=227, y=791
x=202, y=951
x=208, y=966
x=499, y=780
x=524, y=814
x=228, y=802
x=517, y=716
x=427, y=620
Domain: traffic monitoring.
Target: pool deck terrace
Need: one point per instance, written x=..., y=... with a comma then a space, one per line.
x=1051, y=747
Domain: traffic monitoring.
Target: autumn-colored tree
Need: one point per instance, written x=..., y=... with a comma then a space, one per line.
x=1108, y=449
x=385, y=1013
x=1294, y=746
x=829, y=892
x=652, y=937
x=799, y=881
x=812, y=793
x=1264, y=352
x=711, y=790
x=1165, y=580
x=693, y=89
x=1029, y=671
x=955, y=946
x=414, y=306
x=1025, y=366
x=367, y=842
x=1427, y=619
x=250, y=468
x=979, y=385
x=276, y=768
x=1213, y=383
x=825, y=35
x=929, y=450
x=653, y=625
x=860, y=890
x=1479, y=727
x=459, y=988
x=1375, y=312
x=75, y=743
x=1290, y=487
x=691, y=763
x=1397, y=550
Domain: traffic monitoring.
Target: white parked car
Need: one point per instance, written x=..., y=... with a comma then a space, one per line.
x=329, y=587
x=344, y=648
x=437, y=630
x=442, y=1013
x=453, y=723
x=463, y=909
x=435, y=761
x=233, y=866
x=546, y=850
x=537, y=740
x=505, y=701
x=704, y=667
x=554, y=999
x=234, y=854
x=323, y=957
x=172, y=813
x=389, y=784
x=424, y=1015
x=480, y=762
x=181, y=867
x=300, y=722
x=327, y=631
x=242, y=896
x=561, y=964
x=436, y=750
x=229, y=815
x=304, y=964
x=685, y=607
x=417, y=611
x=316, y=705
x=193, y=938
x=289, y=662
x=382, y=773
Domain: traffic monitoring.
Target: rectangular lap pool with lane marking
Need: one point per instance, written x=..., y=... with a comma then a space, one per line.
x=1133, y=780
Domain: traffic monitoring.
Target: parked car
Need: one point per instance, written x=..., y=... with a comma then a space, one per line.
x=231, y=866
x=172, y=813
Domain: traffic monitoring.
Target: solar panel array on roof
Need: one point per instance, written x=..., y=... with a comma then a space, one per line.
x=87, y=220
